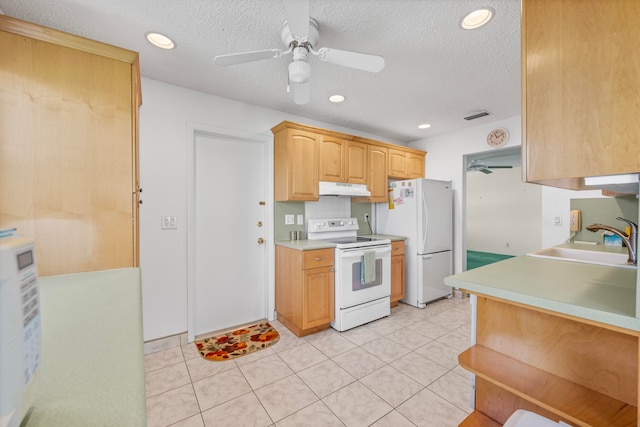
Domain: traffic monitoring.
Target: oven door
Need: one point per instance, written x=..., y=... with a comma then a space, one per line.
x=350, y=290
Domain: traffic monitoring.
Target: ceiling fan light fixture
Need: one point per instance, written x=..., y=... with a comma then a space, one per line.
x=424, y=126
x=299, y=71
x=160, y=40
x=477, y=18
x=337, y=98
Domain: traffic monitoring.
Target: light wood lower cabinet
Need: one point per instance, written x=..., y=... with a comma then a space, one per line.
x=305, y=289
x=564, y=368
x=397, y=272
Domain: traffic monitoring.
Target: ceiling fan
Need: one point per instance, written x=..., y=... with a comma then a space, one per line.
x=300, y=36
x=479, y=165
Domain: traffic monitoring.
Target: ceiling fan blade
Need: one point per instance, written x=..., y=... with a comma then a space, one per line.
x=301, y=92
x=297, y=12
x=359, y=61
x=241, y=58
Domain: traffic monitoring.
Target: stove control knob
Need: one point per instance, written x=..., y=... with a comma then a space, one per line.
x=341, y=222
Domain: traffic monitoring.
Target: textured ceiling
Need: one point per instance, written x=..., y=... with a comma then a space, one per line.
x=435, y=72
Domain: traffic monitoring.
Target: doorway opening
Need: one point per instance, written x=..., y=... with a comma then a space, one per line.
x=501, y=213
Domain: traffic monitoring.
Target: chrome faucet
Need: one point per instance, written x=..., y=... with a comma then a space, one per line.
x=631, y=240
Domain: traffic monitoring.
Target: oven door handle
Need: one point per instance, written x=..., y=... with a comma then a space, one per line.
x=378, y=250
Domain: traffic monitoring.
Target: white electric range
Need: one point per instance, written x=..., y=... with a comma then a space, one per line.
x=356, y=301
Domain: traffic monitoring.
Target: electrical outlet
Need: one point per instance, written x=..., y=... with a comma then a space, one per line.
x=300, y=219
x=366, y=217
x=288, y=219
x=575, y=220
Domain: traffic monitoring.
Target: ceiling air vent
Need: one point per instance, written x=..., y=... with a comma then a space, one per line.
x=477, y=115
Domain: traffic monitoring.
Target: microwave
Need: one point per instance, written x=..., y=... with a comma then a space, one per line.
x=19, y=329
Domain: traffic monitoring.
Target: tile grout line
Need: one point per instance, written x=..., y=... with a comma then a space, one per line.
x=402, y=325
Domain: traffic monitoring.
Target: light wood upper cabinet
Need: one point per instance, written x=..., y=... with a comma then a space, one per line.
x=377, y=178
x=580, y=86
x=295, y=163
x=68, y=138
x=356, y=162
x=406, y=163
x=305, y=155
x=342, y=161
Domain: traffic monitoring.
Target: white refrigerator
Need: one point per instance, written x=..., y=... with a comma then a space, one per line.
x=422, y=211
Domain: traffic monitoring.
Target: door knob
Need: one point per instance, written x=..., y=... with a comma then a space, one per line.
x=260, y=241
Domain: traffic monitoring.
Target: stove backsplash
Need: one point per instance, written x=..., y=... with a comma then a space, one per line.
x=326, y=207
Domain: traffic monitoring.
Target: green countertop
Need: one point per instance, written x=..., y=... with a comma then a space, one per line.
x=92, y=371
x=602, y=294
x=307, y=245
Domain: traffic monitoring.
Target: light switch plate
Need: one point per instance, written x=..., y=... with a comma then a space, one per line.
x=288, y=219
x=168, y=222
x=300, y=219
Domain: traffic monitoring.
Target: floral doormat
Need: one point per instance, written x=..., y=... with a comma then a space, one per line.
x=238, y=343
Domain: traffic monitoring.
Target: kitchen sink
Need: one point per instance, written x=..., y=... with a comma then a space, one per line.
x=611, y=259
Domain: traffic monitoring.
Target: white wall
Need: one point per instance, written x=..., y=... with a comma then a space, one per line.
x=503, y=213
x=444, y=161
x=164, y=116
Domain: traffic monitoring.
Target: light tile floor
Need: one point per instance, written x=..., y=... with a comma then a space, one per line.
x=398, y=371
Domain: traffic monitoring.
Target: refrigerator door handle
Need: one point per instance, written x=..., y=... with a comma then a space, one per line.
x=425, y=221
x=426, y=256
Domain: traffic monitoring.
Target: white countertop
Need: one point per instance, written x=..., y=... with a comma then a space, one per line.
x=602, y=294
x=92, y=371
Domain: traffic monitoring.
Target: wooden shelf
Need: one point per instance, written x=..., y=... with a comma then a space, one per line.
x=478, y=419
x=570, y=401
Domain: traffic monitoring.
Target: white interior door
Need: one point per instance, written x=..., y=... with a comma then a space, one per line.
x=229, y=286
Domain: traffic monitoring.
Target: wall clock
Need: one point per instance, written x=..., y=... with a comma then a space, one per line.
x=497, y=137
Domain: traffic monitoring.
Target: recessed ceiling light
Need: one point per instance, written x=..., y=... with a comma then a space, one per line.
x=424, y=126
x=477, y=18
x=160, y=40
x=336, y=98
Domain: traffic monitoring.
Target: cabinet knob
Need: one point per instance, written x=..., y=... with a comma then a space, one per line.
x=140, y=201
x=318, y=259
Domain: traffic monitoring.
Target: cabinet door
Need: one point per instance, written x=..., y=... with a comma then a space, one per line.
x=356, y=163
x=67, y=139
x=397, y=164
x=302, y=165
x=580, y=89
x=397, y=278
x=318, y=296
x=378, y=178
x=415, y=165
x=332, y=159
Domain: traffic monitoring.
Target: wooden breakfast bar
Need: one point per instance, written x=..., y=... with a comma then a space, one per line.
x=554, y=337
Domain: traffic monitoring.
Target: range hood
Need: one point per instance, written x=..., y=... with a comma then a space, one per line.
x=342, y=189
